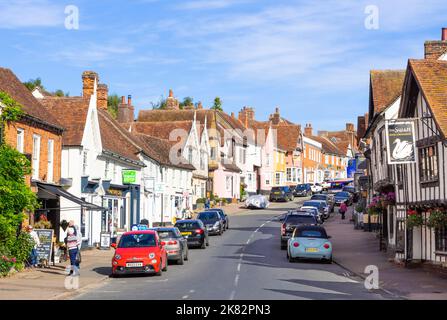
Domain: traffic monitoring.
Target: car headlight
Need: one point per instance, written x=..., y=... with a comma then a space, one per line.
x=216, y=224
x=117, y=257
x=151, y=255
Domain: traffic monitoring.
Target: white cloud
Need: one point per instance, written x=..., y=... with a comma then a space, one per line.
x=30, y=13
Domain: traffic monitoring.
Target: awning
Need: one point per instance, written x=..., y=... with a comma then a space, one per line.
x=59, y=191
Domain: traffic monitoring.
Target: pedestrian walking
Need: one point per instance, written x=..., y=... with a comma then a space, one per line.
x=73, y=249
x=207, y=203
x=179, y=215
x=343, y=209
x=33, y=255
x=188, y=213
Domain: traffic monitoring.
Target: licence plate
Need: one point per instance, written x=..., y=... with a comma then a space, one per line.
x=311, y=249
x=134, y=264
x=277, y=193
x=186, y=233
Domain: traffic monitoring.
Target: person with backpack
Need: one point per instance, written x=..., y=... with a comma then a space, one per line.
x=343, y=209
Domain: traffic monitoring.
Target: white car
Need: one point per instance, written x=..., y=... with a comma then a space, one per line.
x=316, y=188
x=326, y=185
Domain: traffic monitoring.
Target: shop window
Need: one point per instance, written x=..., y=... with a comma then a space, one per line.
x=36, y=156
x=441, y=239
x=50, y=160
x=20, y=140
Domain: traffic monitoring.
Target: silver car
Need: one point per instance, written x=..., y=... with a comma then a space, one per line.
x=175, y=244
x=257, y=202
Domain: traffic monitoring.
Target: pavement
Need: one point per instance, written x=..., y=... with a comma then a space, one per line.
x=244, y=263
x=355, y=250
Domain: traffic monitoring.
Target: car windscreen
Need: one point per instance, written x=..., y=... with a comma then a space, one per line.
x=208, y=216
x=295, y=220
x=319, y=197
x=302, y=187
x=311, y=204
x=187, y=225
x=342, y=195
x=167, y=234
x=310, y=234
x=142, y=240
x=276, y=189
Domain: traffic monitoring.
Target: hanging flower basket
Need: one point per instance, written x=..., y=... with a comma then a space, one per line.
x=437, y=219
x=414, y=219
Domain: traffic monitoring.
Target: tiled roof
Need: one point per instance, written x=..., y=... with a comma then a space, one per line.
x=175, y=115
x=116, y=139
x=159, y=150
x=328, y=146
x=431, y=76
x=386, y=87
x=160, y=130
x=341, y=139
x=10, y=84
x=287, y=136
x=71, y=113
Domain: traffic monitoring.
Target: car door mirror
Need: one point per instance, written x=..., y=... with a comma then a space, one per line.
x=113, y=245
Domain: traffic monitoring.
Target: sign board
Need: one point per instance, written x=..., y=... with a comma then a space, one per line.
x=129, y=176
x=149, y=183
x=45, y=249
x=105, y=240
x=400, y=139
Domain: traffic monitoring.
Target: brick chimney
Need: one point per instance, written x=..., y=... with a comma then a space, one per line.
x=171, y=102
x=276, y=117
x=350, y=127
x=89, y=78
x=233, y=116
x=102, y=96
x=125, y=110
x=308, y=130
x=199, y=105
x=435, y=49
x=323, y=133
x=246, y=115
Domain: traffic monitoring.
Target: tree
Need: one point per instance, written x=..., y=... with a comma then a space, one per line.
x=187, y=102
x=60, y=93
x=217, y=104
x=160, y=104
x=33, y=83
x=113, y=102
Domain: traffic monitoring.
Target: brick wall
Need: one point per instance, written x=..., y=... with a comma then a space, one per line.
x=29, y=131
x=435, y=49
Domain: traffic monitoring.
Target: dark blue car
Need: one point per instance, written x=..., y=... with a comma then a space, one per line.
x=302, y=190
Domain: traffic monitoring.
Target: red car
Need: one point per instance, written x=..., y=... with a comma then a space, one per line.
x=139, y=252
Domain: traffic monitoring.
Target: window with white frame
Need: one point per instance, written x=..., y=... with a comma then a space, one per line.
x=213, y=153
x=107, y=169
x=267, y=159
x=50, y=167
x=36, y=156
x=20, y=140
x=114, y=171
x=289, y=174
x=84, y=162
x=299, y=175
x=278, y=178
x=228, y=183
x=190, y=155
x=326, y=159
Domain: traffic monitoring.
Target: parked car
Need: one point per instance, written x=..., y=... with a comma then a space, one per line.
x=343, y=196
x=316, y=188
x=175, y=244
x=320, y=205
x=325, y=197
x=139, y=251
x=326, y=185
x=355, y=194
x=257, y=202
x=309, y=242
x=315, y=212
x=302, y=190
x=291, y=221
x=194, y=232
x=212, y=221
x=224, y=217
x=281, y=194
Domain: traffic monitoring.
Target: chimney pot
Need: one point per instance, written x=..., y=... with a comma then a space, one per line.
x=444, y=34
x=129, y=100
x=102, y=96
x=171, y=93
x=123, y=100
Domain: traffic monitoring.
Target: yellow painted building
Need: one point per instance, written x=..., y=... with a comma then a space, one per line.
x=280, y=166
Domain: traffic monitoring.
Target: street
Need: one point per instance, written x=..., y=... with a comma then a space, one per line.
x=245, y=263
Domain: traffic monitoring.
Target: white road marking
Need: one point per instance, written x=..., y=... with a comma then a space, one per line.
x=185, y=297
x=256, y=230
x=233, y=293
x=236, y=280
x=239, y=267
x=248, y=241
x=192, y=291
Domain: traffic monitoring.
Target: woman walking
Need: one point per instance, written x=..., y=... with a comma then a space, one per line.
x=343, y=209
x=73, y=249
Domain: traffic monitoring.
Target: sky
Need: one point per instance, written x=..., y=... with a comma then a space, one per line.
x=309, y=58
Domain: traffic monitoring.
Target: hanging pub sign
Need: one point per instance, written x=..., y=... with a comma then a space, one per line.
x=129, y=176
x=401, y=143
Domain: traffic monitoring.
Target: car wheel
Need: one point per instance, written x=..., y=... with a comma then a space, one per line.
x=329, y=261
x=166, y=266
x=159, y=272
x=290, y=258
x=283, y=246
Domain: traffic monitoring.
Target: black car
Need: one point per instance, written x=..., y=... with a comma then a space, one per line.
x=194, y=232
x=291, y=221
x=351, y=190
x=281, y=194
x=319, y=204
x=302, y=190
x=325, y=197
x=343, y=196
x=175, y=244
x=224, y=217
x=212, y=221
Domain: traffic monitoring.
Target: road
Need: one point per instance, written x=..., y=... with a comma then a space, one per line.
x=245, y=263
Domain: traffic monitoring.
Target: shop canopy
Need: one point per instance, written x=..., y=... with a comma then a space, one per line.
x=59, y=191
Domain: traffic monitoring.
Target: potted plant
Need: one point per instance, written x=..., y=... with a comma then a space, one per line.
x=414, y=219
x=437, y=219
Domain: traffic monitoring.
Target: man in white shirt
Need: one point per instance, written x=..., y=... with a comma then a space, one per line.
x=35, y=237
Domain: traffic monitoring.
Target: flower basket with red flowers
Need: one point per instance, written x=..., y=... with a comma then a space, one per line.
x=414, y=219
x=437, y=219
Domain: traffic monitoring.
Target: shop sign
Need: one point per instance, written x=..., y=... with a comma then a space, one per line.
x=45, y=249
x=129, y=176
x=400, y=138
x=115, y=192
x=105, y=240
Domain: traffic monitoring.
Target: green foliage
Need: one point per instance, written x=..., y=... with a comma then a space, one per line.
x=12, y=110
x=414, y=220
x=33, y=83
x=5, y=265
x=217, y=104
x=21, y=247
x=359, y=208
x=60, y=93
x=113, y=102
x=201, y=200
x=160, y=104
x=437, y=219
x=187, y=102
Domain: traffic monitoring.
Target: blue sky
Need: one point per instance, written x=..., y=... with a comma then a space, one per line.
x=310, y=58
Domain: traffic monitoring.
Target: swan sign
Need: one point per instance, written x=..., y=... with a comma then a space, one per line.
x=401, y=141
